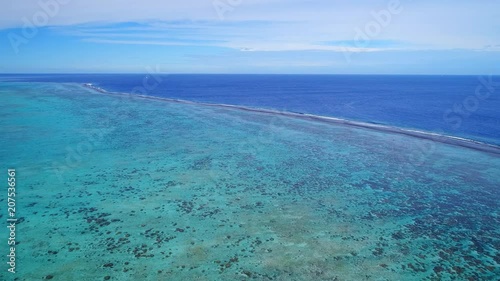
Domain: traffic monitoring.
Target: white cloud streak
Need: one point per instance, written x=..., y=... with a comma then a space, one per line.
x=291, y=24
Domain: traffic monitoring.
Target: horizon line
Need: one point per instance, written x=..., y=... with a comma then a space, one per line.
x=222, y=73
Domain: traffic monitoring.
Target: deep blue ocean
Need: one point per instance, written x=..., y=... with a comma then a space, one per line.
x=463, y=106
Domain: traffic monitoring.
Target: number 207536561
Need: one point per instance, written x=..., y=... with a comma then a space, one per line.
x=11, y=193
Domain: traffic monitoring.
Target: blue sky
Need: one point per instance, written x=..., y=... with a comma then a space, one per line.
x=251, y=36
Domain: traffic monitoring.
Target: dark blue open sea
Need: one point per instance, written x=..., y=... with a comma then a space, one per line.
x=463, y=106
x=251, y=177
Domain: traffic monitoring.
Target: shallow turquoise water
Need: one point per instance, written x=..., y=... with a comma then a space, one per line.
x=138, y=189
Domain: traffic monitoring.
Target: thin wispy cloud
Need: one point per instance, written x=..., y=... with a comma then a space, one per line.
x=440, y=24
x=244, y=36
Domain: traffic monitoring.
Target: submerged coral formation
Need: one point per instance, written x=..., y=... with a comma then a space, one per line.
x=123, y=188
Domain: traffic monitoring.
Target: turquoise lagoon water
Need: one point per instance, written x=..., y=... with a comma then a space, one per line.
x=116, y=187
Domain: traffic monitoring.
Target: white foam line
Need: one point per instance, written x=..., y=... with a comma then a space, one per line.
x=446, y=139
